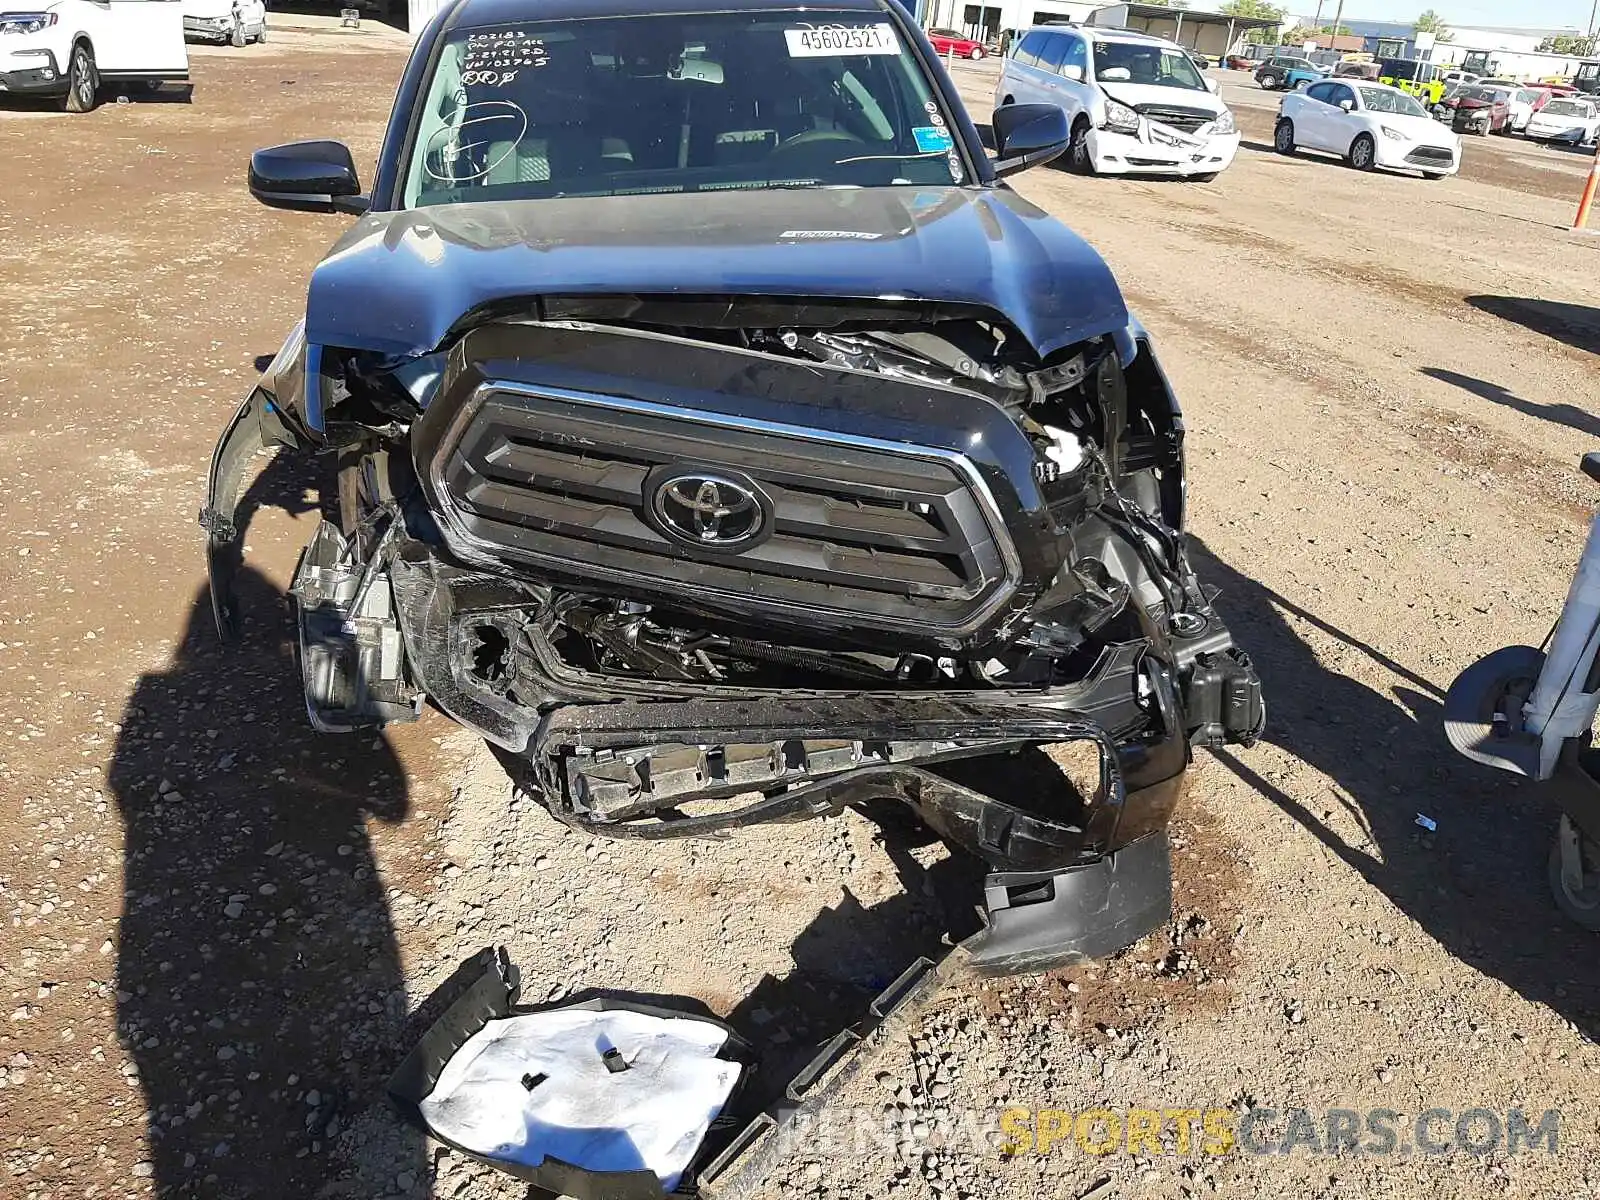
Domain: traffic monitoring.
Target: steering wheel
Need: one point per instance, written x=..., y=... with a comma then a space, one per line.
x=813, y=140
x=812, y=136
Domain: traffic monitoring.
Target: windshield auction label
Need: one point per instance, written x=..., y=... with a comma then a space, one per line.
x=823, y=41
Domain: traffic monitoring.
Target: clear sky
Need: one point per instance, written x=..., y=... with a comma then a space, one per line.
x=1535, y=13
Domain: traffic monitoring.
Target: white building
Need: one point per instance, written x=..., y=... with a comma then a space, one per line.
x=1209, y=32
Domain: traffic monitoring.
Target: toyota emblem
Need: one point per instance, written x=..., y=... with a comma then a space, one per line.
x=709, y=510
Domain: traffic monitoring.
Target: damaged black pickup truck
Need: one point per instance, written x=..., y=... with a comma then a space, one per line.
x=721, y=438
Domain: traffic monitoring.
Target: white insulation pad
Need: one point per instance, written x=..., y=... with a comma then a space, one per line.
x=653, y=1116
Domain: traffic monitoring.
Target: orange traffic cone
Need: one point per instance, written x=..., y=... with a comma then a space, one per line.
x=1589, y=188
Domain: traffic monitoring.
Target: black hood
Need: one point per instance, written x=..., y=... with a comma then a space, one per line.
x=397, y=282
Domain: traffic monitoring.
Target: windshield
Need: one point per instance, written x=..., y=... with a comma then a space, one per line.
x=1377, y=99
x=1567, y=108
x=1145, y=62
x=605, y=107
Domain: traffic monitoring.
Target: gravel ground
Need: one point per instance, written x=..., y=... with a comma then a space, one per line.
x=220, y=927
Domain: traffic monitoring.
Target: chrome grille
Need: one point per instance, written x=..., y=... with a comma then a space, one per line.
x=882, y=532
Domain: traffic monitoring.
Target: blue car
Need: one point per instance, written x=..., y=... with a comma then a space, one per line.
x=1287, y=74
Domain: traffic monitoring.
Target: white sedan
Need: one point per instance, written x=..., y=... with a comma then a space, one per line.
x=1568, y=120
x=1369, y=125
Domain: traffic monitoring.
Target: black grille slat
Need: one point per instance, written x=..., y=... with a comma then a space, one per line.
x=543, y=468
x=1186, y=120
x=1432, y=155
x=864, y=530
x=842, y=565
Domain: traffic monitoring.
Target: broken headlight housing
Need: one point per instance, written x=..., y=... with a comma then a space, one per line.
x=1120, y=118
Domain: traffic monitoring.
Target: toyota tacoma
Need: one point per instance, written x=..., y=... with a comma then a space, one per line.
x=723, y=439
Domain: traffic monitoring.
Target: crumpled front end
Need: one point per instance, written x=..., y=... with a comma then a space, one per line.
x=702, y=564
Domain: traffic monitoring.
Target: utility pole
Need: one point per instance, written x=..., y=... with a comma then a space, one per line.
x=1339, y=12
x=1316, y=21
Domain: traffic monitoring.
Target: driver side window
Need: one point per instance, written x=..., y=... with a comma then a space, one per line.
x=1077, y=56
x=1054, y=51
x=1322, y=92
x=1028, y=51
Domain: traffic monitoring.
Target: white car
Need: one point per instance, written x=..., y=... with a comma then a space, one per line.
x=68, y=48
x=1369, y=125
x=236, y=21
x=1567, y=119
x=1134, y=103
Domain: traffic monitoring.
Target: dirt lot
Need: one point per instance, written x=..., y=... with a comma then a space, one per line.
x=219, y=926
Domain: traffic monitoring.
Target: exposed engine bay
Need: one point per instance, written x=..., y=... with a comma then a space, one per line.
x=700, y=562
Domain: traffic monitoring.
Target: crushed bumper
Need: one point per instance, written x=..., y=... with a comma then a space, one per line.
x=1122, y=154
x=212, y=28
x=1076, y=869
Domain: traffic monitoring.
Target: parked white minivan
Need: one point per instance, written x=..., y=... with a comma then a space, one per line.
x=1135, y=102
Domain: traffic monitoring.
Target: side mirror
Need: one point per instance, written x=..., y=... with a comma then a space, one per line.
x=1347, y=105
x=307, y=177
x=1026, y=135
x=1072, y=72
x=1212, y=85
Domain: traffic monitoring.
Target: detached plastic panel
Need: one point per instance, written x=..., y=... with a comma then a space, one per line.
x=493, y=997
x=725, y=1168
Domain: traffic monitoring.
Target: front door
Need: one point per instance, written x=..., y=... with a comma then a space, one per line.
x=139, y=37
x=1317, y=115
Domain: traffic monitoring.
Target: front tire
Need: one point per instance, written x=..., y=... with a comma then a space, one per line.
x=1270, y=83
x=1283, y=136
x=1363, y=154
x=236, y=39
x=83, y=81
x=977, y=53
x=1078, y=157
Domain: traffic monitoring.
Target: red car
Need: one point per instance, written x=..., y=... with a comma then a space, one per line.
x=948, y=41
x=1481, y=110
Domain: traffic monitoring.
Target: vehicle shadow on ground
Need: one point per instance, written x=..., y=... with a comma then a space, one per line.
x=1477, y=885
x=1569, y=415
x=1576, y=325
x=259, y=989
